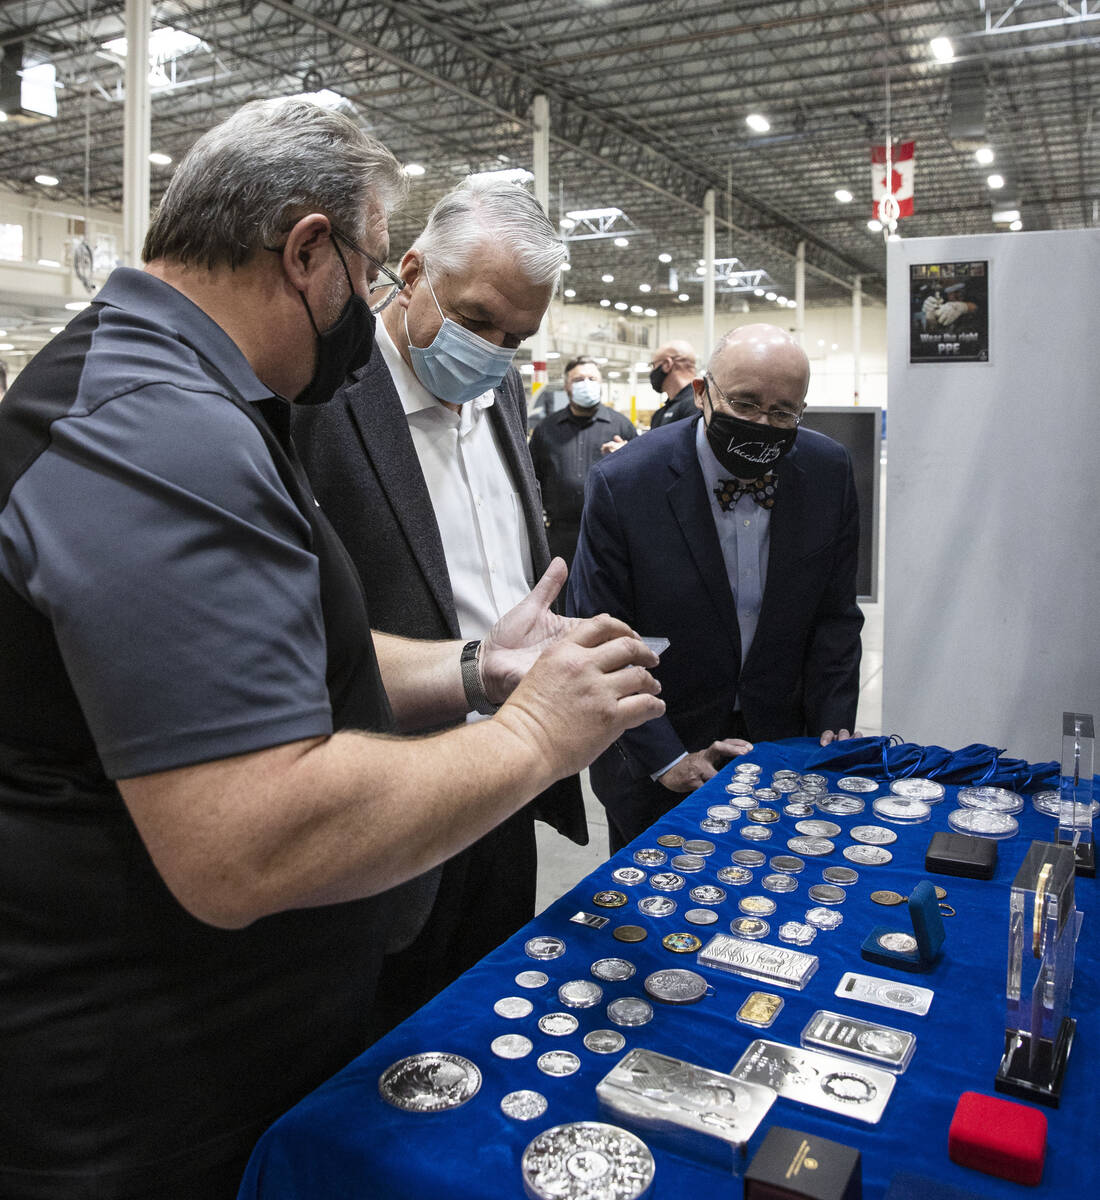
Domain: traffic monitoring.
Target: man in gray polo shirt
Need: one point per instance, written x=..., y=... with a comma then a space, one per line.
x=201, y=848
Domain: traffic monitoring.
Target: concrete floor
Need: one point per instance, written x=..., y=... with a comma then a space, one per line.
x=562, y=865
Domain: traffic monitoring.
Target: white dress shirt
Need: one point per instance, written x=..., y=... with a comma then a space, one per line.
x=477, y=507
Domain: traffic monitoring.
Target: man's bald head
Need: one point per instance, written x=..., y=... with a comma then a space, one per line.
x=677, y=361
x=765, y=352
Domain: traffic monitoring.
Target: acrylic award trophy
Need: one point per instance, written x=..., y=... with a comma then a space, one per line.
x=1042, y=938
x=1075, y=805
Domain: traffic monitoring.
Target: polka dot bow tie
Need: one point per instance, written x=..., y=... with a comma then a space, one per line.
x=729, y=491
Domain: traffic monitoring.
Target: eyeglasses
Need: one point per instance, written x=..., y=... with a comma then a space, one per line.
x=382, y=289
x=781, y=418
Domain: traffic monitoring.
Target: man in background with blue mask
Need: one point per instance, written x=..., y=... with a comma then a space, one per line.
x=566, y=444
x=421, y=464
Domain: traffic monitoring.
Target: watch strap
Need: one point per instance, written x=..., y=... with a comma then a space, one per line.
x=471, y=681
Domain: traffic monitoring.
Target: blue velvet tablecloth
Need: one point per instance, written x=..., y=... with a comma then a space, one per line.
x=343, y=1140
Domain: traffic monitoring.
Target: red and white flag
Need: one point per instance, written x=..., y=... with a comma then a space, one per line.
x=893, y=197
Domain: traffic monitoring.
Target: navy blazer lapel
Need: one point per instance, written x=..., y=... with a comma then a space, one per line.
x=376, y=411
x=690, y=504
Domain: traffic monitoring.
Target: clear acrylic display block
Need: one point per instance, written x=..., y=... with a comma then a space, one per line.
x=1076, y=787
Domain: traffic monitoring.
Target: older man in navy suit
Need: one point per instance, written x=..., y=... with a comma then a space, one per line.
x=735, y=536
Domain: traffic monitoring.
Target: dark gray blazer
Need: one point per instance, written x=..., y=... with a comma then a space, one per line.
x=362, y=463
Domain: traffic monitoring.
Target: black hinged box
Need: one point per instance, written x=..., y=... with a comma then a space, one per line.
x=961, y=854
x=791, y=1165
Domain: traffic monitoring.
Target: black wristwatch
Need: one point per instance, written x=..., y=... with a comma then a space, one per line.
x=471, y=681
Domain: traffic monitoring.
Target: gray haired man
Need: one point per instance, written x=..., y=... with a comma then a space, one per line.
x=421, y=464
x=201, y=844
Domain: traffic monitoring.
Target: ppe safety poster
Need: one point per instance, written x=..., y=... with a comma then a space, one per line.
x=949, y=312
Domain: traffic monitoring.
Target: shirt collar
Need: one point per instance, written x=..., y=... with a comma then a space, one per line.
x=567, y=414
x=150, y=298
x=414, y=396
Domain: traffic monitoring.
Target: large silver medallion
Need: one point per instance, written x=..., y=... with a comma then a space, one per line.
x=587, y=1160
x=676, y=986
x=430, y=1082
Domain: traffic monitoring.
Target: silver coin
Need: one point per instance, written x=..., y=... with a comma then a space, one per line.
x=698, y=846
x=429, y=1082
x=797, y=933
x=785, y=773
x=676, y=986
x=707, y=893
x=840, y=806
x=756, y=906
x=763, y=816
x=612, y=970
x=789, y=864
x=650, y=857
x=587, y=1160
x=799, y=810
x=724, y=812
x=558, y=1024
x=580, y=993
x=824, y=918
x=868, y=856
x=1049, y=803
x=779, y=883
x=628, y=876
x=513, y=1007
x=746, y=768
x=714, y=825
x=523, y=1105
x=994, y=799
x=752, y=928
x=755, y=833
x=826, y=893
x=901, y=810
x=766, y=795
x=749, y=858
x=734, y=875
x=744, y=802
x=657, y=906
x=630, y=1010
x=544, y=947
x=688, y=863
x=701, y=916
x=740, y=787
x=532, y=979
x=813, y=780
x=815, y=847
x=897, y=943
x=667, y=881
x=845, y=876
x=604, y=1041
x=785, y=786
x=511, y=1045
x=558, y=1062
x=918, y=789
x=822, y=829
x=856, y=783
x=980, y=821
x=872, y=835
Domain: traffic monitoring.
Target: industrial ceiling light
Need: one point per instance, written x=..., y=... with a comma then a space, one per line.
x=605, y=304
x=567, y=266
x=636, y=309
x=770, y=295
x=644, y=287
x=47, y=180
x=758, y=123
x=570, y=293
x=758, y=291
x=508, y=175
x=995, y=181
x=942, y=49
x=874, y=226
x=650, y=312
x=664, y=258
x=1016, y=226
x=607, y=278
x=414, y=170
x=622, y=242
x=160, y=160
x=683, y=296
x=77, y=305
x=1005, y=216
x=621, y=306
x=843, y=195
x=984, y=156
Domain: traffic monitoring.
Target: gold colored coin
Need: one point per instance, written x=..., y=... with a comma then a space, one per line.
x=609, y=899
x=629, y=933
x=887, y=898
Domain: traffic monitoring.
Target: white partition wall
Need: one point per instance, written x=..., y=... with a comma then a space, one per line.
x=992, y=579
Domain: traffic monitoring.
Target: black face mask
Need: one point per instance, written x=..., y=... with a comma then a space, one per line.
x=657, y=378
x=746, y=449
x=342, y=349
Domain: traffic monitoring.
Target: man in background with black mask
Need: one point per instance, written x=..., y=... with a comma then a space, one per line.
x=735, y=536
x=671, y=374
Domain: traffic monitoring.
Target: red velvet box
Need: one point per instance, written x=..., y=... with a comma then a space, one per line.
x=999, y=1137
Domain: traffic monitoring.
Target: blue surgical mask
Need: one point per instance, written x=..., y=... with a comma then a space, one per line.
x=585, y=393
x=458, y=365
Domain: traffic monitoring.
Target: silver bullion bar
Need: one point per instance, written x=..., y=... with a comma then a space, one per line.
x=758, y=960
x=839, y=1034
x=826, y=1081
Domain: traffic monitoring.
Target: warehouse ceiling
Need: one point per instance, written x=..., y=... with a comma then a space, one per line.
x=648, y=105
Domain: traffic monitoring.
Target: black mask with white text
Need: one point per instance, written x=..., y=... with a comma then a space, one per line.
x=747, y=449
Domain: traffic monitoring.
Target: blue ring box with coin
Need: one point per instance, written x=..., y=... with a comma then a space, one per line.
x=928, y=933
